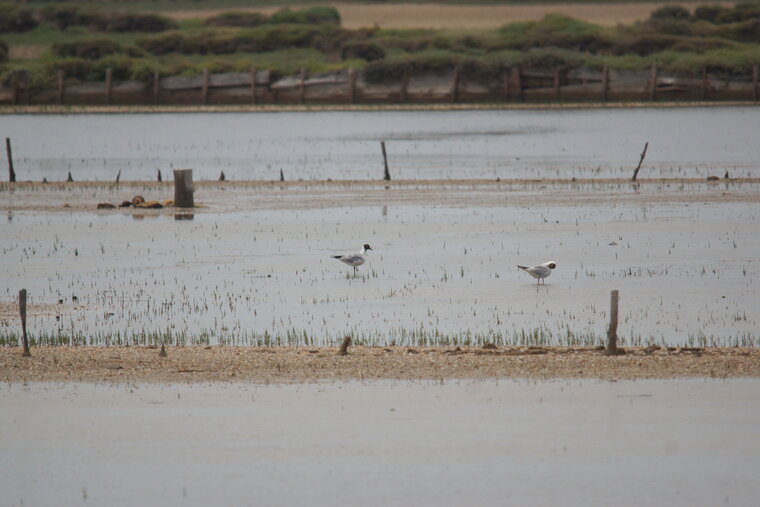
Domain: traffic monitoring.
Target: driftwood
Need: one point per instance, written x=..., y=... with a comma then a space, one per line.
x=344, y=346
x=643, y=154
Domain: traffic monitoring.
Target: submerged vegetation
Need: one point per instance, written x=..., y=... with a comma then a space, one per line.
x=86, y=42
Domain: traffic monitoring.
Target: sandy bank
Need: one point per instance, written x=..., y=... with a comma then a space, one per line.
x=302, y=364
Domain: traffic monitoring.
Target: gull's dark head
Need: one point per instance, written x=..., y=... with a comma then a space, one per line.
x=367, y=247
x=551, y=265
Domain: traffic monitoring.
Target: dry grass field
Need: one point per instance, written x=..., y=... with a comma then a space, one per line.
x=464, y=16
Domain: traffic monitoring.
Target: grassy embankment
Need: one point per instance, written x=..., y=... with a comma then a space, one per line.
x=84, y=42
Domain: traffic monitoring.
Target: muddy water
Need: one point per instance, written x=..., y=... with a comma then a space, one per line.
x=690, y=142
x=681, y=443
x=687, y=274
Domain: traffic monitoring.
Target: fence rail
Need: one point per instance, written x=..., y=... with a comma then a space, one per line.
x=452, y=86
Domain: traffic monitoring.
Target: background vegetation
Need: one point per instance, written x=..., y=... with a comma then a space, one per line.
x=85, y=41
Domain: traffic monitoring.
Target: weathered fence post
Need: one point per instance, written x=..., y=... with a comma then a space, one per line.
x=605, y=83
x=455, y=85
x=22, y=311
x=505, y=80
x=159, y=174
x=204, y=88
x=156, y=86
x=302, y=86
x=11, y=172
x=387, y=174
x=59, y=78
x=517, y=71
x=755, y=73
x=653, y=83
x=404, y=86
x=558, y=84
x=253, y=85
x=183, y=188
x=643, y=154
x=612, y=349
x=352, y=86
x=109, y=86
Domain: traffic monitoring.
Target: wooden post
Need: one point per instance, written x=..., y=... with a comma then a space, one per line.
x=59, y=77
x=282, y=175
x=221, y=176
x=387, y=175
x=404, y=86
x=755, y=73
x=557, y=84
x=352, y=86
x=605, y=83
x=22, y=311
x=455, y=85
x=253, y=85
x=156, y=86
x=518, y=83
x=69, y=179
x=302, y=86
x=505, y=79
x=118, y=176
x=643, y=154
x=344, y=346
x=11, y=172
x=204, y=89
x=704, y=83
x=159, y=174
x=612, y=349
x=183, y=188
x=109, y=86
x=653, y=83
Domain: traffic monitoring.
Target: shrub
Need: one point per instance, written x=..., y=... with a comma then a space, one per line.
x=745, y=31
x=551, y=58
x=646, y=44
x=127, y=22
x=77, y=68
x=172, y=42
x=64, y=16
x=710, y=13
x=14, y=19
x=670, y=12
x=120, y=65
x=310, y=16
x=3, y=52
x=367, y=51
x=88, y=49
x=555, y=31
x=238, y=19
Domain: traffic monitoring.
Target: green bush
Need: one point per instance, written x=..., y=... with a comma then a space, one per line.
x=65, y=16
x=128, y=22
x=671, y=12
x=551, y=58
x=367, y=51
x=238, y=19
x=16, y=19
x=555, y=31
x=88, y=49
x=3, y=52
x=310, y=16
x=76, y=68
x=172, y=42
x=646, y=44
x=745, y=31
x=710, y=13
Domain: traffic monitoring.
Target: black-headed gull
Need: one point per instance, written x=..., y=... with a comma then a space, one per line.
x=541, y=271
x=354, y=260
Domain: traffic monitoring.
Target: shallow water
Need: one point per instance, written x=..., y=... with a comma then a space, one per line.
x=598, y=143
x=679, y=443
x=687, y=274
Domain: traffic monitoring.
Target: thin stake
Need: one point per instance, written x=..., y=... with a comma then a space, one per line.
x=282, y=176
x=221, y=176
x=612, y=349
x=11, y=172
x=159, y=174
x=387, y=176
x=118, y=176
x=162, y=352
x=643, y=154
x=344, y=346
x=69, y=179
x=22, y=311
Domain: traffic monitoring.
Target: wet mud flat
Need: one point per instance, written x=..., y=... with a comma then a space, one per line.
x=570, y=442
x=251, y=265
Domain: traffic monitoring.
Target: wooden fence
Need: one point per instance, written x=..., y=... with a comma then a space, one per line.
x=350, y=87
